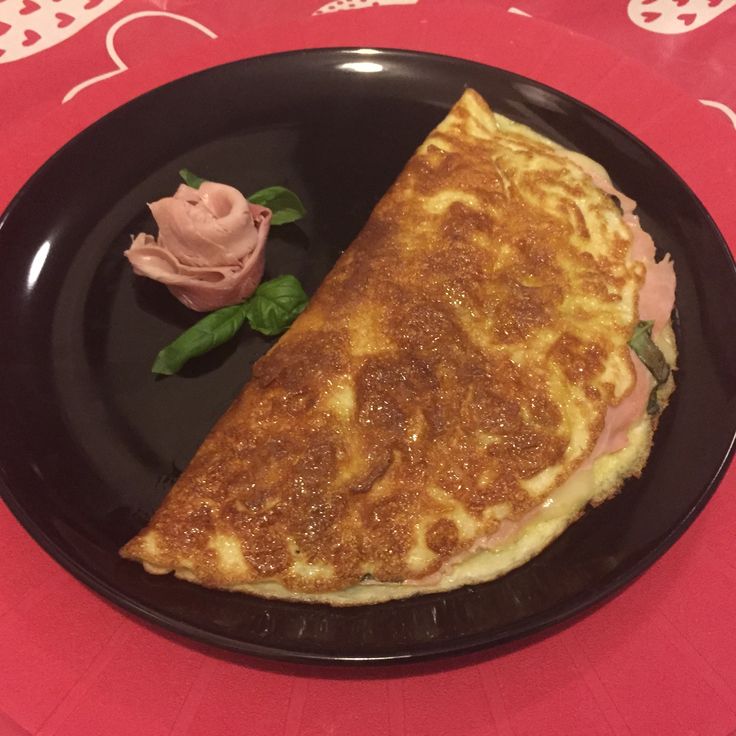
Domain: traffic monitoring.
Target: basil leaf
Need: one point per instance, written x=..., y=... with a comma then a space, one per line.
x=213, y=330
x=283, y=203
x=642, y=344
x=275, y=305
x=191, y=179
x=653, y=403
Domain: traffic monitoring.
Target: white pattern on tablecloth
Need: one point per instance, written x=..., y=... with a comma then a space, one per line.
x=676, y=16
x=120, y=65
x=725, y=109
x=337, y=5
x=28, y=27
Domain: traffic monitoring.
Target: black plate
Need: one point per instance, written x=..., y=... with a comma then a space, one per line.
x=91, y=442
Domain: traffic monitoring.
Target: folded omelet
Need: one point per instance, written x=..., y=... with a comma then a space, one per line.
x=458, y=390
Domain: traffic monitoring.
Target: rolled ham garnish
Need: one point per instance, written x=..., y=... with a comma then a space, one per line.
x=210, y=246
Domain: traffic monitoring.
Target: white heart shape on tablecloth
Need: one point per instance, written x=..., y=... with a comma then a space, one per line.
x=676, y=16
x=120, y=65
x=31, y=27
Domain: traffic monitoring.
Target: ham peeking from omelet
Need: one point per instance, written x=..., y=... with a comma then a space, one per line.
x=210, y=249
x=459, y=389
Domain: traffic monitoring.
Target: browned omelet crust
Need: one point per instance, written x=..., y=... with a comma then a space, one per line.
x=451, y=372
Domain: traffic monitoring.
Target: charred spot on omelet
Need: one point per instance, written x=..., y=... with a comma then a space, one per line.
x=451, y=372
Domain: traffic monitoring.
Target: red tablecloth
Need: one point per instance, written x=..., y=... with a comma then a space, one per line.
x=660, y=658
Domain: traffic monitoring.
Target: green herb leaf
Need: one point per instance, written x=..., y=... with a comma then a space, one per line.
x=283, y=203
x=191, y=179
x=275, y=305
x=642, y=344
x=653, y=403
x=213, y=330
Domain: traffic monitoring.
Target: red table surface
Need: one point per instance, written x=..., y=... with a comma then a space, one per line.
x=659, y=658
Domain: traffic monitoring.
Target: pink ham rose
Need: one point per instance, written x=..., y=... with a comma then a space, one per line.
x=210, y=246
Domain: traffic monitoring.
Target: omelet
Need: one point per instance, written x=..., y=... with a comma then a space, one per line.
x=461, y=386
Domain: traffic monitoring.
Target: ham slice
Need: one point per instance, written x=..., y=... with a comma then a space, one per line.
x=210, y=246
x=656, y=301
x=620, y=418
x=657, y=295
